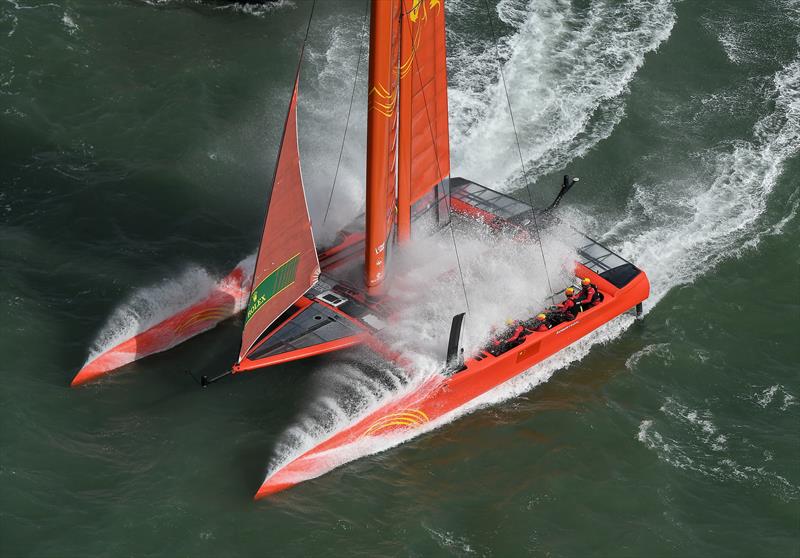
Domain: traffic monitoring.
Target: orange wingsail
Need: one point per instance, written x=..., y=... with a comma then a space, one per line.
x=381, y=137
x=424, y=141
x=287, y=264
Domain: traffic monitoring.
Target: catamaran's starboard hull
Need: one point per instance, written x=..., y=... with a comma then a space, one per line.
x=624, y=287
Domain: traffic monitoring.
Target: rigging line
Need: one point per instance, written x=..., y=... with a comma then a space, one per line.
x=519, y=149
x=305, y=39
x=414, y=64
x=349, y=110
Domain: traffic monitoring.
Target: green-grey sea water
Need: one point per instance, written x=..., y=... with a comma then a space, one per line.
x=137, y=141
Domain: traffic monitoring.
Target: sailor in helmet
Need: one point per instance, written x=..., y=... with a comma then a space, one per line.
x=567, y=310
x=570, y=303
x=540, y=323
x=589, y=295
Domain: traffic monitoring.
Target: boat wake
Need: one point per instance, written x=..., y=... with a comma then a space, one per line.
x=677, y=230
x=566, y=69
x=690, y=439
x=239, y=6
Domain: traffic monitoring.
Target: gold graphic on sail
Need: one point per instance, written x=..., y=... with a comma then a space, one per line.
x=382, y=100
x=418, y=15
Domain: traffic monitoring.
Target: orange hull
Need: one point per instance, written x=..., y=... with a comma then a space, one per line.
x=227, y=298
x=442, y=395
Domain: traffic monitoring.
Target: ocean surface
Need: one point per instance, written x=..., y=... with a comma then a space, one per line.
x=137, y=142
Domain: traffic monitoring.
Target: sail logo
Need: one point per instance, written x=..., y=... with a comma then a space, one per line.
x=273, y=284
x=406, y=419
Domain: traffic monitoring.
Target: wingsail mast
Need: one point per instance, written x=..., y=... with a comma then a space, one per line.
x=381, y=138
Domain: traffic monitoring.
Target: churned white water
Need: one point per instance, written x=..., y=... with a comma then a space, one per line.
x=566, y=70
x=697, y=221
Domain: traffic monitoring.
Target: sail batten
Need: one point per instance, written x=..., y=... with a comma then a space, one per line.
x=287, y=264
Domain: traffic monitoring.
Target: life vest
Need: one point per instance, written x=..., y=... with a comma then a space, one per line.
x=587, y=294
x=590, y=295
x=569, y=305
x=560, y=317
x=517, y=333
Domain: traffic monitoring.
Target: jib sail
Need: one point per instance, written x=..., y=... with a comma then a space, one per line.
x=287, y=264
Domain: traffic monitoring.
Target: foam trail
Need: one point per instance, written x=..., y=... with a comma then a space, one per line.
x=719, y=222
x=704, y=448
x=250, y=8
x=566, y=70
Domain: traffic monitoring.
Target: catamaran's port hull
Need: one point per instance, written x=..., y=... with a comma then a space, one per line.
x=443, y=395
x=227, y=298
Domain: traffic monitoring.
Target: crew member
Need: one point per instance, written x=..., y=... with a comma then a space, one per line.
x=517, y=334
x=541, y=323
x=569, y=305
x=588, y=296
x=512, y=336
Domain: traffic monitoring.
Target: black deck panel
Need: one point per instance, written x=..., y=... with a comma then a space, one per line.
x=315, y=325
x=622, y=275
x=487, y=199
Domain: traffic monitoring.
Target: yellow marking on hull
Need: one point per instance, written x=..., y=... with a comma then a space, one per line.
x=202, y=316
x=406, y=417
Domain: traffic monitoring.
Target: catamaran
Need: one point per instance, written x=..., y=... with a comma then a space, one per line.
x=302, y=302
